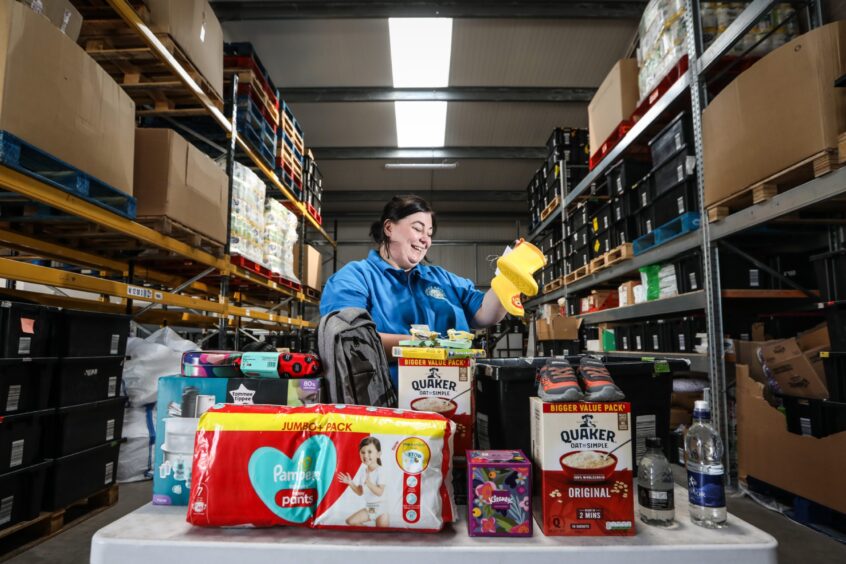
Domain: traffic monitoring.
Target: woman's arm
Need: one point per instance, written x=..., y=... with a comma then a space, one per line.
x=490, y=313
x=391, y=340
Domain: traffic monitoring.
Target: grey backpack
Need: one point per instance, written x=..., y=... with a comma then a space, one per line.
x=354, y=361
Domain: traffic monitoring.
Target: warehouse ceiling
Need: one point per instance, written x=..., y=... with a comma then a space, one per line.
x=516, y=70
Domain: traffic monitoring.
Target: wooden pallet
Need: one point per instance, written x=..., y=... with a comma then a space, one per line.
x=247, y=77
x=577, y=274
x=813, y=167
x=619, y=254
x=553, y=205
x=554, y=285
x=180, y=232
x=23, y=536
x=142, y=74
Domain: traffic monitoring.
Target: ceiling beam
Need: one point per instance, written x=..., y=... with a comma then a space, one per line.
x=333, y=197
x=506, y=9
x=436, y=153
x=451, y=94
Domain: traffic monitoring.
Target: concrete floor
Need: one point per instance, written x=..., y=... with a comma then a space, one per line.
x=797, y=544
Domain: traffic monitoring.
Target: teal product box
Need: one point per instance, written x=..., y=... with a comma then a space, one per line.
x=182, y=400
x=260, y=364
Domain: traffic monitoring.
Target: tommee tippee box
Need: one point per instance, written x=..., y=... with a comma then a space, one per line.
x=441, y=386
x=583, y=486
x=181, y=402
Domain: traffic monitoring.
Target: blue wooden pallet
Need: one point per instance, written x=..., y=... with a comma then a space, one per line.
x=19, y=155
x=287, y=111
x=290, y=144
x=684, y=223
x=254, y=140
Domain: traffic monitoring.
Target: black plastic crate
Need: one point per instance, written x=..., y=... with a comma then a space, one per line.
x=572, y=305
x=83, y=426
x=622, y=338
x=830, y=269
x=676, y=169
x=814, y=417
x=25, y=384
x=684, y=332
x=641, y=194
x=584, y=212
x=677, y=135
x=637, y=336
x=797, y=268
x=601, y=243
x=87, y=379
x=677, y=201
x=658, y=336
x=80, y=475
x=85, y=333
x=689, y=273
x=738, y=273
x=25, y=329
x=580, y=237
x=622, y=176
x=601, y=220
x=620, y=209
x=21, y=492
x=834, y=363
x=623, y=232
x=22, y=438
x=504, y=387
x=645, y=219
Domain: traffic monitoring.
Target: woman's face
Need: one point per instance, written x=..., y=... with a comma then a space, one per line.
x=410, y=238
x=369, y=455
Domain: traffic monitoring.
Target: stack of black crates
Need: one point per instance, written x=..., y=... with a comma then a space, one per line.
x=566, y=164
x=61, y=406
x=313, y=186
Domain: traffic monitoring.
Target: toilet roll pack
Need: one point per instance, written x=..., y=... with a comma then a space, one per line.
x=181, y=402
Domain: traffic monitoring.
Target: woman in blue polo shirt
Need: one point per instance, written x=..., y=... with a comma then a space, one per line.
x=398, y=290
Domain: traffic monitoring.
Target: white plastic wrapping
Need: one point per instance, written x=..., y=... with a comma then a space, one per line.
x=149, y=359
x=137, y=452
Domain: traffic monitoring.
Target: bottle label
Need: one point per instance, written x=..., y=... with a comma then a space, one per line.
x=706, y=489
x=655, y=499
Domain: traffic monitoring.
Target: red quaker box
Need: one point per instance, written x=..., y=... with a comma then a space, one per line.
x=583, y=486
x=441, y=386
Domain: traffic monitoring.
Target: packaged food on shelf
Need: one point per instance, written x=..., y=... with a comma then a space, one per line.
x=248, y=202
x=280, y=238
x=344, y=467
x=626, y=292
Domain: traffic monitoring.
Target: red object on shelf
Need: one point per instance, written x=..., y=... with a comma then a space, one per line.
x=246, y=62
x=615, y=137
x=313, y=213
x=263, y=271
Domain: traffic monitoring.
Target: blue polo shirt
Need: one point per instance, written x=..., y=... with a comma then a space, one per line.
x=396, y=299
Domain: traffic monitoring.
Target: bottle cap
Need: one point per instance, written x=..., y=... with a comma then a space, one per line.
x=653, y=442
x=701, y=405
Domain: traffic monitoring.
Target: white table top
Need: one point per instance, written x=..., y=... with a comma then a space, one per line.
x=161, y=534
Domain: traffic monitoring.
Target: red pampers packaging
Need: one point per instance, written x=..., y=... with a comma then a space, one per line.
x=322, y=466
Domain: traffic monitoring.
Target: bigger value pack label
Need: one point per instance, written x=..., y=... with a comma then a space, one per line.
x=584, y=460
x=324, y=466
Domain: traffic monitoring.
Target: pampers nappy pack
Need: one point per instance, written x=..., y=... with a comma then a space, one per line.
x=181, y=402
x=323, y=466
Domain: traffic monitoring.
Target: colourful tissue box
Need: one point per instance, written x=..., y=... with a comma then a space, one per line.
x=499, y=497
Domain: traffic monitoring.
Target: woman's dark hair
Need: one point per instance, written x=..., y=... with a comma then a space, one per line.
x=376, y=444
x=398, y=208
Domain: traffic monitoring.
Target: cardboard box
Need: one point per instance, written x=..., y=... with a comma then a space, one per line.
x=626, y=293
x=311, y=275
x=749, y=134
x=814, y=338
x=615, y=100
x=558, y=328
x=195, y=28
x=61, y=12
x=571, y=499
x=57, y=98
x=805, y=466
x=798, y=373
x=175, y=179
x=441, y=386
x=746, y=352
x=499, y=484
x=602, y=299
x=180, y=403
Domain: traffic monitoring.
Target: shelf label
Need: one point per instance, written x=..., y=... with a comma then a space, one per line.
x=136, y=292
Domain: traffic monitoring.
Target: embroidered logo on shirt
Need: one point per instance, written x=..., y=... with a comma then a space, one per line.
x=435, y=292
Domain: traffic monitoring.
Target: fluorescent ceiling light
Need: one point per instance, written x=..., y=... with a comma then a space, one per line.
x=421, y=124
x=420, y=51
x=421, y=166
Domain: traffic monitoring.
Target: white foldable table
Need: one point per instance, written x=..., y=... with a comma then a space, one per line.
x=161, y=534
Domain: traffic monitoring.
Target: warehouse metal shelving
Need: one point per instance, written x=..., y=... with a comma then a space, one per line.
x=697, y=362
x=690, y=90
x=174, y=271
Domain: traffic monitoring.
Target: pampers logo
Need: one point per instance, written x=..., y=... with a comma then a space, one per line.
x=435, y=292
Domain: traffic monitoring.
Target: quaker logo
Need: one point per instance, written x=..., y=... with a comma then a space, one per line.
x=501, y=500
x=435, y=292
x=296, y=498
x=588, y=431
x=91, y=371
x=242, y=396
x=309, y=385
x=433, y=381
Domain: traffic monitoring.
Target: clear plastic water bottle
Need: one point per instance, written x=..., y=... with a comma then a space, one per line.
x=655, y=486
x=705, y=471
